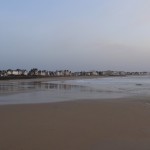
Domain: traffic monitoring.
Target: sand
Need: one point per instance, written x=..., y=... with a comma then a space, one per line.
x=78, y=125
x=45, y=79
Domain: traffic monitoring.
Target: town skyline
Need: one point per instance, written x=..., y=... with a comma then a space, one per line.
x=34, y=72
x=58, y=69
x=87, y=70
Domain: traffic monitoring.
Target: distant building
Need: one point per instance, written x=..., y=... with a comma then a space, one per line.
x=107, y=73
x=94, y=73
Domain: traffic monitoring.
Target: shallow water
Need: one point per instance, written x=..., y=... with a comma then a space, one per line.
x=17, y=92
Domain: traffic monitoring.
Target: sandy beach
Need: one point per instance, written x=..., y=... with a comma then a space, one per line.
x=78, y=125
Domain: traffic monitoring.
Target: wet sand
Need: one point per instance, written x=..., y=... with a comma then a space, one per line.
x=45, y=79
x=78, y=125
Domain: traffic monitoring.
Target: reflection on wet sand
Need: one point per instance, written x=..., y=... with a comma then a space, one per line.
x=17, y=87
x=14, y=92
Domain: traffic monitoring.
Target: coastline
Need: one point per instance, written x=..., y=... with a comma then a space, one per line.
x=44, y=79
x=83, y=125
x=45, y=90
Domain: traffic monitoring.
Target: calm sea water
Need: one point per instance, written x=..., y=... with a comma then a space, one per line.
x=17, y=92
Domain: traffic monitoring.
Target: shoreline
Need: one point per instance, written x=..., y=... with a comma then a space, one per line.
x=76, y=125
x=129, y=99
x=41, y=79
x=26, y=88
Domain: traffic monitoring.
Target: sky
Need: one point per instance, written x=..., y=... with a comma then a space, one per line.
x=77, y=35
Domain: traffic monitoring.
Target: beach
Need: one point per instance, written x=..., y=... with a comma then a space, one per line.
x=76, y=125
x=75, y=114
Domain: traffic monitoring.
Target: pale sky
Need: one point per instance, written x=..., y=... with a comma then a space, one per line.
x=75, y=34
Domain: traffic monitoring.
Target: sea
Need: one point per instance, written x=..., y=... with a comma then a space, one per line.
x=26, y=92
